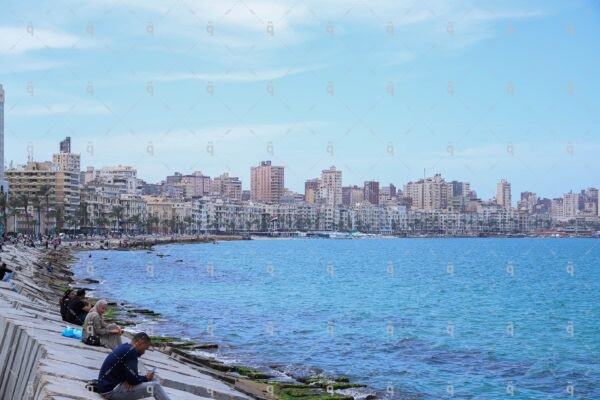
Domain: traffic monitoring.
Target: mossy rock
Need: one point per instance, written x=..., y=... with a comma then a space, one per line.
x=251, y=373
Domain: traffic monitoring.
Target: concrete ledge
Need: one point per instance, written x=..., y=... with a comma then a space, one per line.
x=37, y=363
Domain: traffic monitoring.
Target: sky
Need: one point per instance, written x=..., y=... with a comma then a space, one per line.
x=386, y=90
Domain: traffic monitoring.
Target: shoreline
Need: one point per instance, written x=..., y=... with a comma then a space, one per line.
x=33, y=282
x=198, y=352
x=58, y=366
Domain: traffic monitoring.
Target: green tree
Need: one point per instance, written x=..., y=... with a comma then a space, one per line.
x=116, y=214
x=44, y=192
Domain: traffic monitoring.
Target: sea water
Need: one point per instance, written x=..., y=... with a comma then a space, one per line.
x=411, y=318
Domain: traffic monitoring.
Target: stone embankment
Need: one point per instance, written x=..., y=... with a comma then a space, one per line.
x=37, y=363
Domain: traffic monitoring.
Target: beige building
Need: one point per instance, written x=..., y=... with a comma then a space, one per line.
x=63, y=195
x=266, y=183
x=429, y=194
x=227, y=186
x=330, y=191
x=168, y=215
x=503, y=195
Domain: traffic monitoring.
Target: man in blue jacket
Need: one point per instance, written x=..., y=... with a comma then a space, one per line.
x=119, y=378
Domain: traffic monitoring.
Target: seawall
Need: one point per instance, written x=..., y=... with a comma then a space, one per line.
x=36, y=362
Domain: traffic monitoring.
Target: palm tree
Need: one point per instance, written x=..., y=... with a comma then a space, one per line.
x=82, y=214
x=58, y=214
x=165, y=224
x=44, y=192
x=22, y=200
x=103, y=221
x=36, y=202
x=117, y=214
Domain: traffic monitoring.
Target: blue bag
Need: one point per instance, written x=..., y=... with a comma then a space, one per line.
x=75, y=333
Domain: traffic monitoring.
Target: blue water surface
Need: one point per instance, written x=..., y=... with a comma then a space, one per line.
x=411, y=318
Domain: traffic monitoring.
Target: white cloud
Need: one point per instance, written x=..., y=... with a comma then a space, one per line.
x=242, y=76
x=76, y=108
x=18, y=41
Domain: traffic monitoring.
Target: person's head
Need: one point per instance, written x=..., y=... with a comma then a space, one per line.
x=72, y=294
x=141, y=341
x=81, y=293
x=101, y=306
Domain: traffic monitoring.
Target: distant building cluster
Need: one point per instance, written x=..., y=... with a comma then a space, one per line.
x=47, y=197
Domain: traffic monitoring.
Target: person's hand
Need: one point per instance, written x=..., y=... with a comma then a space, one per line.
x=150, y=375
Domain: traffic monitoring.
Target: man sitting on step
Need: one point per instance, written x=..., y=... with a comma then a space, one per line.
x=119, y=378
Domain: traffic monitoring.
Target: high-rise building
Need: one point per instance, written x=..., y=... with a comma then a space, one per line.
x=266, y=183
x=227, y=186
x=430, y=193
x=570, y=204
x=371, y=192
x=66, y=160
x=330, y=191
x=352, y=195
x=3, y=184
x=65, y=145
x=528, y=202
x=503, y=196
x=311, y=190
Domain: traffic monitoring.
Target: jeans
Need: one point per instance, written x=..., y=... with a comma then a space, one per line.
x=141, y=391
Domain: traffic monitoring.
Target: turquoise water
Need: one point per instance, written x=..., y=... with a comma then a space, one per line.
x=412, y=318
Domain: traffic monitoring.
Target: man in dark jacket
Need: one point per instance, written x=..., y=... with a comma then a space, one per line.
x=78, y=308
x=119, y=378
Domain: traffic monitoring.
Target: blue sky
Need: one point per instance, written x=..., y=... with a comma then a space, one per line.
x=328, y=84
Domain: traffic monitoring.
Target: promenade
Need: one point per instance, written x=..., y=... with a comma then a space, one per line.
x=36, y=362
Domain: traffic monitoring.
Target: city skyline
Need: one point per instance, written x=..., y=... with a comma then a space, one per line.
x=477, y=92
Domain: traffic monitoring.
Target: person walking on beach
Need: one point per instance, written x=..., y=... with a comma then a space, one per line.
x=119, y=378
x=94, y=325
